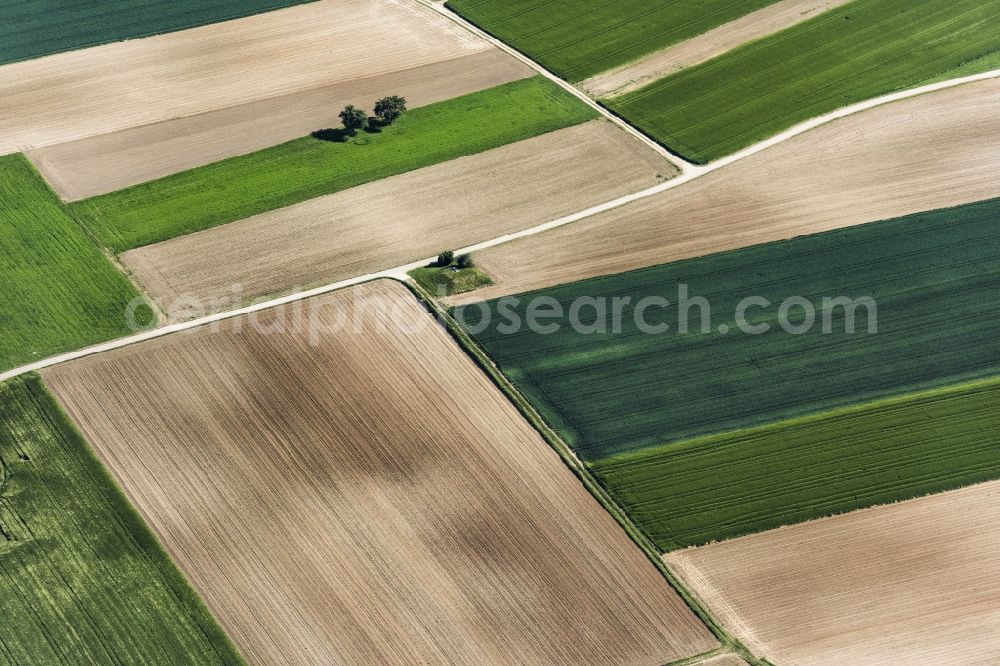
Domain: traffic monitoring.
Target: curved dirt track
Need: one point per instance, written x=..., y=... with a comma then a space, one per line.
x=760, y=23
x=368, y=496
x=931, y=151
x=333, y=44
x=399, y=219
x=909, y=583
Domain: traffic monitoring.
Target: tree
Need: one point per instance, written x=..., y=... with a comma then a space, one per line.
x=465, y=261
x=353, y=118
x=445, y=258
x=388, y=109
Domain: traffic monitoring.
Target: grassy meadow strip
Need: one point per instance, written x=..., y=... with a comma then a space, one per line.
x=861, y=50
x=84, y=579
x=933, y=277
x=579, y=38
x=306, y=168
x=40, y=27
x=59, y=290
x=724, y=486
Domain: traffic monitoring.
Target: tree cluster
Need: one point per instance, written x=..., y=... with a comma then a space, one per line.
x=387, y=111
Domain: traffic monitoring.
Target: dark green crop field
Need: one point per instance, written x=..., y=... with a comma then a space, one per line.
x=932, y=276
x=33, y=28
x=305, y=168
x=579, y=38
x=858, y=51
x=59, y=290
x=84, y=580
x=724, y=486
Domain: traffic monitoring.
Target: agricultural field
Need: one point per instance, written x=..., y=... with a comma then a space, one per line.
x=396, y=509
x=607, y=389
x=397, y=220
x=310, y=167
x=579, y=38
x=197, y=96
x=59, y=290
x=911, y=583
x=761, y=23
x=855, y=52
x=83, y=579
x=725, y=486
x=934, y=151
x=40, y=27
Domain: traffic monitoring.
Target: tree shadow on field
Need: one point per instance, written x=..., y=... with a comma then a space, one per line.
x=339, y=135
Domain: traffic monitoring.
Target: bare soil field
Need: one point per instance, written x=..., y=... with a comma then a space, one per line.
x=399, y=219
x=336, y=45
x=937, y=150
x=910, y=583
x=763, y=22
x=367, y=495
x=113, y=161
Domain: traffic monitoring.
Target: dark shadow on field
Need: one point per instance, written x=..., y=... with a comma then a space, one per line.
x=339, y=135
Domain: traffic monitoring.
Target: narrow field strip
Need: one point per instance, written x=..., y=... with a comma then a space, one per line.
x=859, y=51
x=908, y=583
x=30, y=29
x=306, y=168
x=578, y=39
x=932, y=277
x=59, y=291
x=724, y=486
x=696, y=50
x=84, y=580
x=397, y=509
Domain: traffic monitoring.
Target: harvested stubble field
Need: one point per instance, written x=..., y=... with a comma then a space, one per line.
x=912, y=583
x=59, y=291
x=933, y=151
x=275, y=73
x=370, y=498
x=40, y=27
x=715, y=42
x=728, y=485
x=579, y=38
x=861, y=50
x=398, y=220
x=310, y=167
x=83, y=579
x=607, y=391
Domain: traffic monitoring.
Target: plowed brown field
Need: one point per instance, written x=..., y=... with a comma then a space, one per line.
x=400, y=219
x=371, y=498
x=933, y=151
x=329, y=52
x=911, y=583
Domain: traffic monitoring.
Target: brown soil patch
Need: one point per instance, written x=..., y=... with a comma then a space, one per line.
x=723, y=660
x=370, y=498
x=401, y=219
x=933, y=151
x=704, y=47
x=116, y=160
x=911, y=583
x=335, y=45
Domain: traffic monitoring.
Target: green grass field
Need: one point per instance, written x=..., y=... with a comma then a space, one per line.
x=577, y=39
x=861, y=50
x=305, y=168
x=59, y=291
x=445, y=282
x=40, y=27
x=934, y=277
x=84, y=580
x=724, y=486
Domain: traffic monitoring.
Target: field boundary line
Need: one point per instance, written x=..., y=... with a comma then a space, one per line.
x=688, y=174
x=570, y=459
